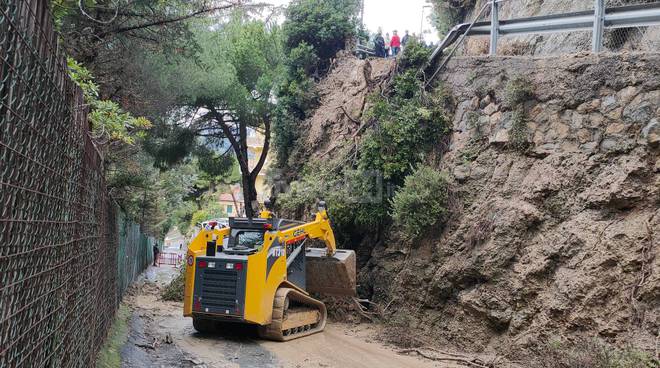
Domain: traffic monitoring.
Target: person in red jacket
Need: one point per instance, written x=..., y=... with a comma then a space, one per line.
x=395, y=44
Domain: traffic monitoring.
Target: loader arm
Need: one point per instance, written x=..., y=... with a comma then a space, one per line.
x=318, y=229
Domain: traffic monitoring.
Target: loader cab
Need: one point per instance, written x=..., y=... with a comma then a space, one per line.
x=246, y=235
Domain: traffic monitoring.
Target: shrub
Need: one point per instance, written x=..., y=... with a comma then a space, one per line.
x=408, y=127
x=422, y=201
x=174, y=290
x=325, y=25
x=414, y=56
x=302, y=60
x=355, y=198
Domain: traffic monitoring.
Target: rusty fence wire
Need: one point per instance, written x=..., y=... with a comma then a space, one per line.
x=67, y=253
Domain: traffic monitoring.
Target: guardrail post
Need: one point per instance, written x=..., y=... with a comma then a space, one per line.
x=494, y=26
x=599, y=24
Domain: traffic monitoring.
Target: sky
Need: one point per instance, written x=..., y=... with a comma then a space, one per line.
x=393, y=14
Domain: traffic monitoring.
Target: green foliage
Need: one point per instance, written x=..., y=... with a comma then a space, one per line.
x=357, y=186
x=422, y=202
x=448, y=13
x=591, y=353
x=324, y=25
x=214, y=164
x=182, y=216
x=211, y=211
x=314, y=31
x=174, y=290
x=409, y=125
x=355, y=198
x=415, y=56
x=302, y=60
x=108, y=120
x=517, y=91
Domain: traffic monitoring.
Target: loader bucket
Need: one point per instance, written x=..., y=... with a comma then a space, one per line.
x=334, y=275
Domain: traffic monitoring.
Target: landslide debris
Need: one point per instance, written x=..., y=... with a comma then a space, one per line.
x=556, y=229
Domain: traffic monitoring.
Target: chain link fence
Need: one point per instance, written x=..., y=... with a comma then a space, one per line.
x=67, y=254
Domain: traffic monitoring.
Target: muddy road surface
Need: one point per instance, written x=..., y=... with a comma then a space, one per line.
x=159, y=336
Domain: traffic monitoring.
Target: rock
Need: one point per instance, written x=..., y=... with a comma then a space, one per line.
x=589, y=147
x=608, y=103
x=577, y=120
x=614, y=128
x=652, y=133
x=615, y=114
x=609, y=144
x=485, y=101
x=584, y=135
x=588, y=107
x=558, y=130
x=474, y=103
x=616, y=186
x=495, y=119
x=461, y=173
x=490, y=109
x=627, y=94
x=501, y=136
x=639, y=111
x=536, y=111
x=596, y=120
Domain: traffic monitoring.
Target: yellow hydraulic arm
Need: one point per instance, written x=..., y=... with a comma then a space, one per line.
x=318, y=229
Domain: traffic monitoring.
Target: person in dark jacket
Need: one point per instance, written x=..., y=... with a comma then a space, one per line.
x=404, y=40
x=156, y=253
x=379, y=45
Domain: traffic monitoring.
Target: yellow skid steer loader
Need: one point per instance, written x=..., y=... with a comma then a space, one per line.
x=261, y=271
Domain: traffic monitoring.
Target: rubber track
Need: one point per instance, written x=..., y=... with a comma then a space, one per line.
x=274, y=331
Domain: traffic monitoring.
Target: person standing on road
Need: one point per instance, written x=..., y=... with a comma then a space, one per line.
x=156, y=253
x=395, y=44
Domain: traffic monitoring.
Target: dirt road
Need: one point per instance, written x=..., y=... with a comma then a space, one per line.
x=161, y=337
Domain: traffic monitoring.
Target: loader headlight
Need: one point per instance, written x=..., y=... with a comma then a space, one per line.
x=190, y=260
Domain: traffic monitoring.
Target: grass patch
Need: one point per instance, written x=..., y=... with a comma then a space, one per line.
x=517, y=91
x=109, y=355
x=519, y=133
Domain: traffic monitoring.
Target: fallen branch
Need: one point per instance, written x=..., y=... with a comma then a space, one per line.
x=348, y=115
x=362, y=310
x=147, y=346
x=469, y=363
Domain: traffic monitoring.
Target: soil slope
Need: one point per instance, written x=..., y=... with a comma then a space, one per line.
x=556, y=241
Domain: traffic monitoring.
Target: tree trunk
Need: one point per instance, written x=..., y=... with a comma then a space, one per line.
x=249, y=195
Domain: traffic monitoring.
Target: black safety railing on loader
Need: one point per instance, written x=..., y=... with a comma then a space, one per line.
x=62, y=241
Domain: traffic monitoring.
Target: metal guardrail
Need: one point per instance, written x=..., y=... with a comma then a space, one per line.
x=363, y=51
x=597, y=20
